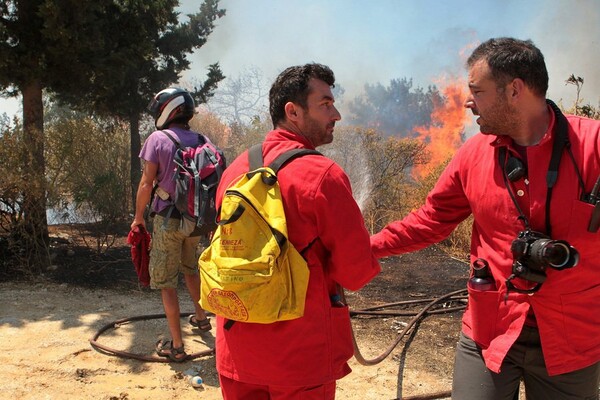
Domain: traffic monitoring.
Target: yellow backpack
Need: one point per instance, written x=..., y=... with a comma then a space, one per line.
x=251, y=272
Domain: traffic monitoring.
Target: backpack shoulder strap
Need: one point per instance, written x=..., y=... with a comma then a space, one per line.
x=175, y=141
x=201, y=139
x=256, y=159
x=289, y=155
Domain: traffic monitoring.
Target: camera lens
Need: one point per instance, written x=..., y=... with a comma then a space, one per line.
x=554, y=253
x=557, y=254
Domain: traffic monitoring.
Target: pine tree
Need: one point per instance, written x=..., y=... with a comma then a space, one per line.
x=103, y=56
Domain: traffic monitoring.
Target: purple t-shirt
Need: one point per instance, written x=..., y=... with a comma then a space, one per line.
x=159, y=149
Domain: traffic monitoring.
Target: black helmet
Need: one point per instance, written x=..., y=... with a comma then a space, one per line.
x=171, y=104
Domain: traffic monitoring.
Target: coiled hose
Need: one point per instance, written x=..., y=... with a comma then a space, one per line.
x=458, y=295
x=124, y=354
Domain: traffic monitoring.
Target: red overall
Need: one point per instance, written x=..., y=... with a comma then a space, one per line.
x=567, y=307
x=315, y=348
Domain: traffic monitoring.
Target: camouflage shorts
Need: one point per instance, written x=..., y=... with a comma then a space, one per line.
x=172, y=253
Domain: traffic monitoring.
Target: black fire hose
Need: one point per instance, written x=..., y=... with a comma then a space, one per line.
x=124, y=354
x=428, y=396
x=456, y=295
x=432, y=302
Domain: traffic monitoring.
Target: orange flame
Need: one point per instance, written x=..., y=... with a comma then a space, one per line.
x=445, y=135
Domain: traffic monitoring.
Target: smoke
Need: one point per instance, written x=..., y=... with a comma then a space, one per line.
x=380, y=40
x=568, y=34
x=383, y=40
x=347, y=150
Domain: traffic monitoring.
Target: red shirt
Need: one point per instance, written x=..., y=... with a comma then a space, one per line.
x=567, y=307
x=318, y=204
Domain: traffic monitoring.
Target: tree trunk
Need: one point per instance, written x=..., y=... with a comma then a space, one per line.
x=136, y=146
x=35, y=234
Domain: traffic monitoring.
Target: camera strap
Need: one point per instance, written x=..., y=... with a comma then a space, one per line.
x=502, y=160
x=561, y=141
x=510, y=287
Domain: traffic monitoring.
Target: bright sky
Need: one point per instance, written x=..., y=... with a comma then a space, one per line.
x=370, y=41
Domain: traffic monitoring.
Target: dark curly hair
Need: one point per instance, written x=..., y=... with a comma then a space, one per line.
x=510, y=58
x=292, y=85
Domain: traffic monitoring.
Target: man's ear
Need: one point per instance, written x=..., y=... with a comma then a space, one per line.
x=516, y=88
x=291, y=111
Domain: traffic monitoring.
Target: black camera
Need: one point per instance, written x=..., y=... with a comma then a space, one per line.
x=533, y=252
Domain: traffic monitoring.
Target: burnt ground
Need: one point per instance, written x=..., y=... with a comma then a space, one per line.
x=87, y=258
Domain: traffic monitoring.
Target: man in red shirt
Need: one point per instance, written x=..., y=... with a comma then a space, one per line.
x=530, y=173
x=302, y=358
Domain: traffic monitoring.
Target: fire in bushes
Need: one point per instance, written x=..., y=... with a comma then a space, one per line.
x=446, y=132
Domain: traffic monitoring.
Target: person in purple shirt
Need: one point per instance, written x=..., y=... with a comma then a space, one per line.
x=173, y=251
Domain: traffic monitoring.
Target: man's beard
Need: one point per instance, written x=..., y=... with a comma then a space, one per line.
x=318, y=133
x=502, y=120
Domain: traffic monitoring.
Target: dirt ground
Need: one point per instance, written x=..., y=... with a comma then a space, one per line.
x=46, y=326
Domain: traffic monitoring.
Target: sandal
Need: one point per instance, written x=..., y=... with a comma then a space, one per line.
x=164, y=348
x=203, y=324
